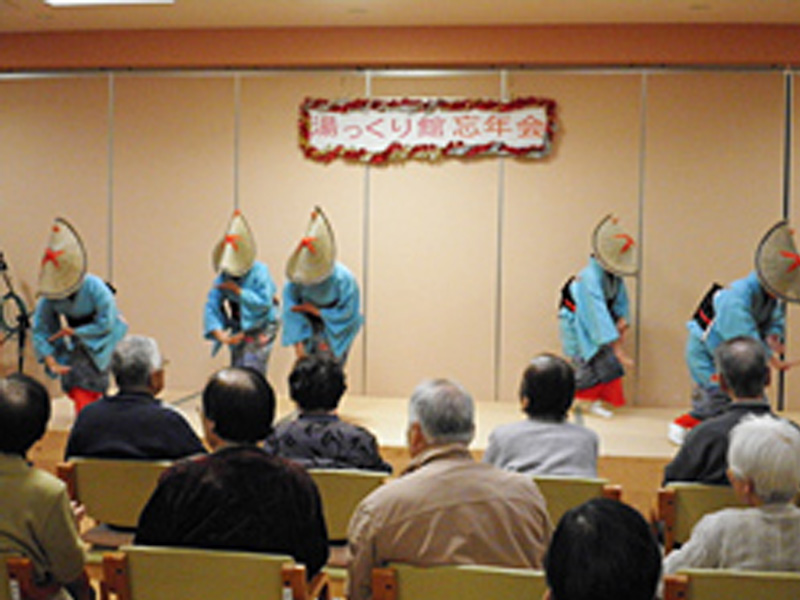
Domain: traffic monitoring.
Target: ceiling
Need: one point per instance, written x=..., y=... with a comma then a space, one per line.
x=33, y=15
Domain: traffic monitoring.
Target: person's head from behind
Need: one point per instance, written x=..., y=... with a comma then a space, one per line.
x=764, y=460
x=24, y=413
x=137, y=365
x=440, y=412
x=238, y=407
x=548, y=388
x=743, y=367
x=602, y=550
x=317, y=382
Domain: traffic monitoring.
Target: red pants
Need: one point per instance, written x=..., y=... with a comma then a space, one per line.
x=83, y=397
x=610, y=392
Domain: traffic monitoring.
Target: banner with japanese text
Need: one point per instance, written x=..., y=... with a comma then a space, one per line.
x=379, y=131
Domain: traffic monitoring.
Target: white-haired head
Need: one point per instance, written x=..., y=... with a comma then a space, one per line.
x=444, y=410
x=136, y=358
x=765, y=451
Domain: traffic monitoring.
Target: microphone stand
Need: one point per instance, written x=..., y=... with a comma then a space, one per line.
x=23, y=318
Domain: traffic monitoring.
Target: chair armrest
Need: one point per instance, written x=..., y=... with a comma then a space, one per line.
x=612, y=491
x=676, y=587
x=21, y=570
x=384, y=584
x=319, y=587
x=65, y=471
x=666, y=514
x=115, y=576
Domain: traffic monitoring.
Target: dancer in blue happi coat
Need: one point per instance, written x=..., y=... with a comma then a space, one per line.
x=749, y=307
x=242, y=308
x=322, y=300
x=594, y=316
x=76, y=324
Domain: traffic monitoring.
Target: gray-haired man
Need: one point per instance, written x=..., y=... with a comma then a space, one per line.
x=134, y=423
x=447, y=508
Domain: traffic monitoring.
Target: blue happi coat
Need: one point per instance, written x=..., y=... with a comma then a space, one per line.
x=99, y=336
x=257, y=310
x=741, y=309
x=339, y=302
x=599, y=301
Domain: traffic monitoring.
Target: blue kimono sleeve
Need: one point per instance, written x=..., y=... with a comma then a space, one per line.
x=101, y=335
x=621, y=304
x=296, y=327
x=45, y=324
x=567, y=333
x=256, y=298
x=592, y=312
x=343, y=320
x=777, y=324
x=213, y=316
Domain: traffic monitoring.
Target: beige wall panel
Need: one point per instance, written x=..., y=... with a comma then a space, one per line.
x=53, y=162
x=173, y=191
x=279, y=187
x=552, y=206
x=432, y=261
x=713, y=187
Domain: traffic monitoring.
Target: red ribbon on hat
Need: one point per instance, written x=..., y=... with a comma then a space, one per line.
x=795, y=260
x=308, y=242
x=628, y=242
x=51, y=255
x=231, y=239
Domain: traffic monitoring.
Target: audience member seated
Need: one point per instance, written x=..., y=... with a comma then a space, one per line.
x=36, y=519
x=764, y=469
x=544, y=443
x=317, y=437
x=238, y=497
x=134, y=423
x=446, y=508
x=602, y=550
x=742, y=364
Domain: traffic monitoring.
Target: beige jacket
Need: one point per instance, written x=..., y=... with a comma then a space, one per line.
x=448, y=509
x=36, y=521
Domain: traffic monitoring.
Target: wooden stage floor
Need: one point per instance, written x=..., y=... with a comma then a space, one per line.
x=633, y=443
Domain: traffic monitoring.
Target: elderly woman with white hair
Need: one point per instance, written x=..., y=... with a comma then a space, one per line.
x=764, y=470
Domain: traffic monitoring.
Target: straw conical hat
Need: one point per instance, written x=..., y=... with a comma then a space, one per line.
x=614, y=249
x=313, y=259
x=236, y=251
x=64, y=262
x=778, y=263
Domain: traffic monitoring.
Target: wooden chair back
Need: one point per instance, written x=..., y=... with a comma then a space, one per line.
x=341, y=491
x=459, y=582
x=17, y=580
x=681, y=505
x=721, y=584
x=113, y=491
x=6, y=592
x=564, y=493
x=159, y=573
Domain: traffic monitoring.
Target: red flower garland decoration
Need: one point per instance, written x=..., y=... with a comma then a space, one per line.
x=396, y=151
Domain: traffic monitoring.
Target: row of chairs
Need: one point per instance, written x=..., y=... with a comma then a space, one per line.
x=149, y=573
x=406, y=582
x=146, y=573
x=115, y=491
